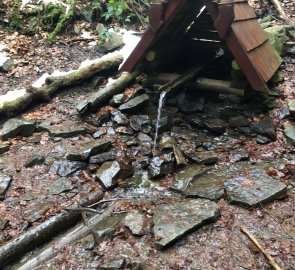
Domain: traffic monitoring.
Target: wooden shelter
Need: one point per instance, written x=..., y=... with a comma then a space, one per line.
x=207, y=24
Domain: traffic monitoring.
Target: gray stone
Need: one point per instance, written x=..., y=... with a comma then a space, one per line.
x=291, y=105
x=254, y=189
x=168, y=142
x=105, y=228
x=61, y=185
x=141, y=162
x=112, y=42
x=117, y=100
x=34, y=160
x=164, y=124
x=135, y=222
x=101, y=131
x=135, y=103
x=119, y=118
x=144, y=137
x=238, y=121
x=189, y=104
x=173, y=220
x=67, y=130
x=140, y=123
x=262, y=139
x=265, y=128
x=5, y=181
x=217, y=126
x=206, y=157
x=66, y=168
x=283, y=113
x=4, y=148
x=209, y=185
x=111, y=171
x=161, y=166
x=36, y=211
x=184, y=177
x=124, y=130
x=17, y=127
x=103, y=157
x=290, y=133
x=7, y=65
x=247, y=131
x=113, y=265
x=82, y=153
x=239, y=155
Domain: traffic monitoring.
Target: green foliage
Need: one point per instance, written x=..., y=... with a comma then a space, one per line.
x=53, y=14
x=103, y=33
x=15, y=20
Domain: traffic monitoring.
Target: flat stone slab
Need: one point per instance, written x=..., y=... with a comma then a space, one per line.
x=5, y=181
x=290, y=134
x=254, y=189
x=185, y=176
x=65, y=168
x=174, y=220
x=206, y=157
x=135, y=222
x=17, y=127
x=209, y=185
x=82, y=153
x=135, y=103
x=291, y=105
x=61, y=185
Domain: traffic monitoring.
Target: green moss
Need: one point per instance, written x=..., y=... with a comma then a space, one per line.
x=53, y=14
x=15, y=19
x=277, y=37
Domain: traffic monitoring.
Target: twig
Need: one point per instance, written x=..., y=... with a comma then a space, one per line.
x=83, y=209
x=266, y=254
x=112, y=200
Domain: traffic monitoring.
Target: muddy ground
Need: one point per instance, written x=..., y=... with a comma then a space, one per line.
x=219, y=245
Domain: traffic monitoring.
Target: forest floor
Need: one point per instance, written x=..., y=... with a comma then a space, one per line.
x=32, y=199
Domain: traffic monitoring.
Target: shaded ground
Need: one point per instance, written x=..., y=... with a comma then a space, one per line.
x=216, y=246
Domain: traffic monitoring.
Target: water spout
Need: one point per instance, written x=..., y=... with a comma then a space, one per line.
x=161, y=102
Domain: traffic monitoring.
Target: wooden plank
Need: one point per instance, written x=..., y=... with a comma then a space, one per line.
x=265, y=60
x=243, y=11
x=249, y=33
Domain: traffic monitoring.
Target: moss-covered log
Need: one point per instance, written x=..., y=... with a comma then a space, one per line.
x=54, y=83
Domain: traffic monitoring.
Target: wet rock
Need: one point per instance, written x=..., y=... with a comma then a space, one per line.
x=61, y=185
x=82, y=153
x=161, y=166
x=290, y=133
x=291, y=105
x=168, y=142
x=34, y=139
x=111, y=171
x=119, y=118
x=105, y=228
x=283, y=113
x=135, y=103
x=135, y=222
x=4, y=148
x=247, y=131
x=117, y=100
x=144, y=137
x=254, y=189
x=17, y=127
x=209, y=185
x=184, y=177
x=238, y=121
x=66, y=168
x=141, y=163
x=5, y=181
x=205, y=158
x=173, y=220
x=140, y=123
x=34, y=160
x=103, y=157
x=239, y=155
x=101, y=131
x=113, y=265
x=67, y=130
x=164, y=124
x=189, y=104
x=265, y=128
x=217, y=126
x=262, y=139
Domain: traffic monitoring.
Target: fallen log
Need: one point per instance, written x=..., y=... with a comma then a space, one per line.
x=38, y=235
x=282, y=13
x=77, y=233
x=54, y=83
x=218, y=86
x=104, y=94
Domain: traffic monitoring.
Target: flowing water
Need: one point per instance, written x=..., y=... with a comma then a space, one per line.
x=161, y=102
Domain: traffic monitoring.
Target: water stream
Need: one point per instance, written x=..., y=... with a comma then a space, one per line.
x=161, y=102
